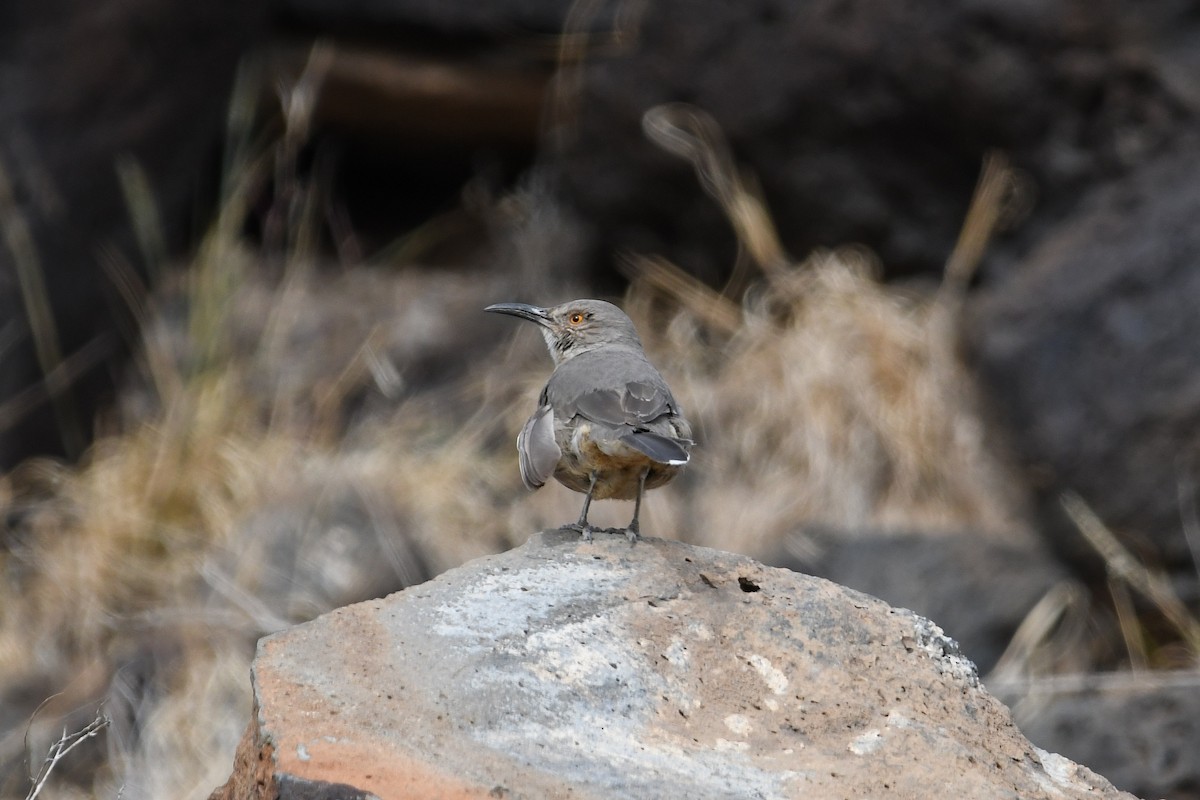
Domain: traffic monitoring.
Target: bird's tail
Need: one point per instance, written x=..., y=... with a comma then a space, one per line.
x=662, y=449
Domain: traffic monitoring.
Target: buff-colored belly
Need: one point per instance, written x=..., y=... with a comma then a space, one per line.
x=617, y=466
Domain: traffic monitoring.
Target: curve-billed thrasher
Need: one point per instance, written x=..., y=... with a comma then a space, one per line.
x=606, y=423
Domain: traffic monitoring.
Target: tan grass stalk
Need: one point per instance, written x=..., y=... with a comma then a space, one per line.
x=1122, y=564
x=692, y=134
x=713, y=309
x=31, y=282
x=980, y=224
x=1132, y=631
x=144, y=214
x=1065, y=602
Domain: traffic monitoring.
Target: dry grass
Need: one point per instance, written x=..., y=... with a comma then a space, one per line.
x=242, y=501
x=1126, y=572
x=834, y=405
x=243, y=490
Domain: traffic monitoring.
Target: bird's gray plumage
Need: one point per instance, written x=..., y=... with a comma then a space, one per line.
x=606, y=423
x=537, y=450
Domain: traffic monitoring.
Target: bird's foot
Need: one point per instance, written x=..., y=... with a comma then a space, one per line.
x=631, y=533
x=586, y=531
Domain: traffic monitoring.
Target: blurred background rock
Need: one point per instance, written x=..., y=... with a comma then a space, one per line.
x=246, y=378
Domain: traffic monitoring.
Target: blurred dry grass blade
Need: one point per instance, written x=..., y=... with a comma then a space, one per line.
x=692, y=134
x=291, y=219
x=1064, y=605
x=10, y=334
x=146, y=551
x=1154, y=586
x=1132, y=631
x=841, y=401
x=714, y=309
x=241, y=149
x=129, y=286
x=1189, y=515
x=983, y=216
x=31, y=282
x=56, y=382
x=299, y=100
x=144, y=215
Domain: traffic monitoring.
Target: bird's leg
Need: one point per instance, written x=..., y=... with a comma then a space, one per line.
x=582, y=526
x=632, y=530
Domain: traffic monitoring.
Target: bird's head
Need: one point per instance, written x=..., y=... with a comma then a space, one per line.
x=576, y=327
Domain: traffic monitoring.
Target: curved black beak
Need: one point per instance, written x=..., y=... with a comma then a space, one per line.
x=522, y=310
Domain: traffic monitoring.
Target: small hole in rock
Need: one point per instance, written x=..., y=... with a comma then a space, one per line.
x=747, y=584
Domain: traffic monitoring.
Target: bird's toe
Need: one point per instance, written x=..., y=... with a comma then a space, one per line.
x=585, y=531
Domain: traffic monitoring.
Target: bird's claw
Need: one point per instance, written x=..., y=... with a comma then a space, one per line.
x=586, y=531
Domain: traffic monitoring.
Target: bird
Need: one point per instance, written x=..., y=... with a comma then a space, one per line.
x=606, y=423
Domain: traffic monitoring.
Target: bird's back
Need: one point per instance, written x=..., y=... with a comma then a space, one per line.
x=615, y=386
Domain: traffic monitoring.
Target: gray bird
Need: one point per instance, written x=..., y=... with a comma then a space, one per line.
x=606, y=423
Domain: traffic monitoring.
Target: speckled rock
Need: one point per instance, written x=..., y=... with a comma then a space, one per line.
x=662, y=670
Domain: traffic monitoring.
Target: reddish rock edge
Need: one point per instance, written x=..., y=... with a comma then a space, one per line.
x=594, y=670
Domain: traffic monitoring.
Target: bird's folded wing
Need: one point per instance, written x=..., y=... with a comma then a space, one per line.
x=634, y=403
x=536, y=449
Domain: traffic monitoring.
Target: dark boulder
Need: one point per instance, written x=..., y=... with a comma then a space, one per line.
x=1090, y=354
x=865, y=122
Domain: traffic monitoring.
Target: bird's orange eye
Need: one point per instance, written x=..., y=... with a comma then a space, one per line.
x=576, y=318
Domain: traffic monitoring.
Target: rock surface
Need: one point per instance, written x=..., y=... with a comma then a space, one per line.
x=565, y=668
x=1004, y=580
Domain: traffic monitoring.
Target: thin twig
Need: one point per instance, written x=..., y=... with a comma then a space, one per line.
x=65, y=744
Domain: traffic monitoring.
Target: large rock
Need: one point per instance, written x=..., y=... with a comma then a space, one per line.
x=1090, y=352
x=1004, y=580
x=604, y=670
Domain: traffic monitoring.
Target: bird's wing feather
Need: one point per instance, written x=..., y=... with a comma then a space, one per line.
x=635, y=403
x=537, y=451
x=635, y=408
